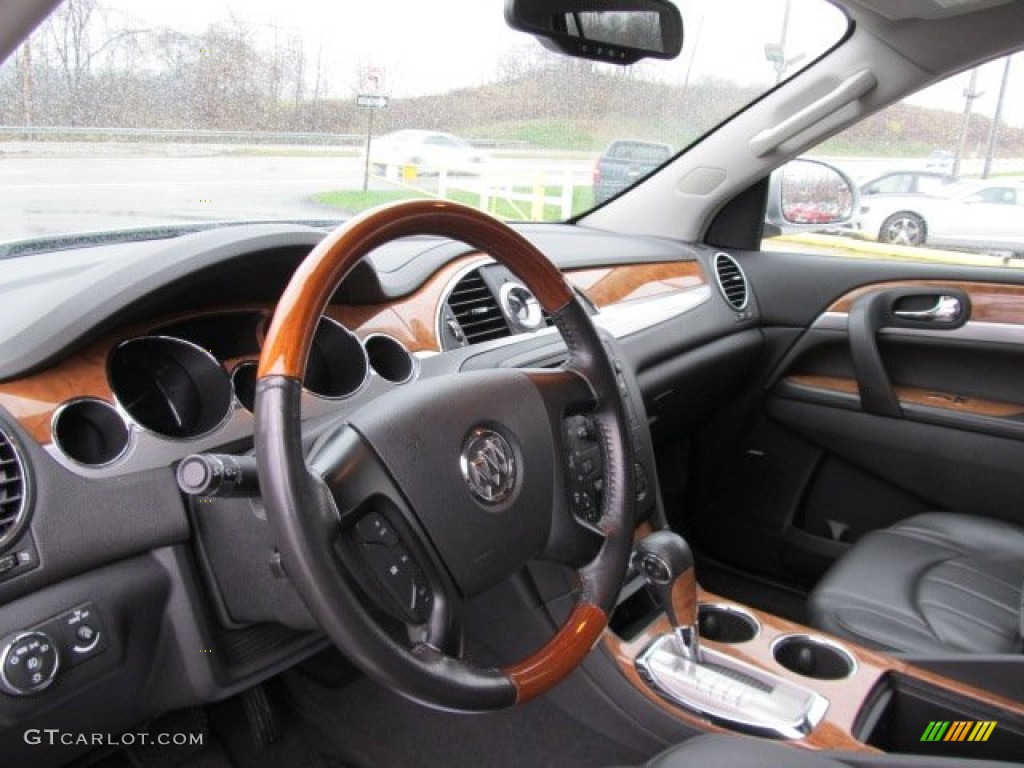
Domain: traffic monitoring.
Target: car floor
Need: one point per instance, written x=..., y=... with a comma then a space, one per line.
x=372, y=726
x=327, y=715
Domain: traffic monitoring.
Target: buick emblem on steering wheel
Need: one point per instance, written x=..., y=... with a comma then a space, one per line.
x=488, y=465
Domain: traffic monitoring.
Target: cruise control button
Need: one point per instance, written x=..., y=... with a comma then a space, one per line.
x=374, y=529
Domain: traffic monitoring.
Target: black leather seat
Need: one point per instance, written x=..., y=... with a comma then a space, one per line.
x=934, y=583
x=721, y=751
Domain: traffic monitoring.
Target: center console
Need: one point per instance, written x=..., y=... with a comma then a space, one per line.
x=757, y=673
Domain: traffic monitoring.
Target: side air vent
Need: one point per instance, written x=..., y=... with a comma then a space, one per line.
x=476, y=311
x=13, y=483
x=731, y=281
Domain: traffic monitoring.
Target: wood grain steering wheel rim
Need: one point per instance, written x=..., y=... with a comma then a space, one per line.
x=299, y=506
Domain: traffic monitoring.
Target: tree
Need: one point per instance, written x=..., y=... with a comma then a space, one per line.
x=71, y=28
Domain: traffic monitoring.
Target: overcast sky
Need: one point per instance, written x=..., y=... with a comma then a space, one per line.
x=396, y=35
x=724, y=38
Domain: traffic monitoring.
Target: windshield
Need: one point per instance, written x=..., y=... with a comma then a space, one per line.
x=129, y=115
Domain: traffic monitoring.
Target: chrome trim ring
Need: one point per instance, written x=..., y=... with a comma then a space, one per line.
x=114, y=408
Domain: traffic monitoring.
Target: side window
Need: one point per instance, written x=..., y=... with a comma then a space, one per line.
x=920, y=164
x=997, y=196
x=891, y=184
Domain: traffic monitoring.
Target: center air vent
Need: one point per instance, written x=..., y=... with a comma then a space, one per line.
x=13, y=509
x=731, y=281
x=475, y=310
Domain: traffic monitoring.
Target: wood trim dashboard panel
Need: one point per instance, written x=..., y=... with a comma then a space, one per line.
x=990, y=302
x=846, y=696
x=411, y=320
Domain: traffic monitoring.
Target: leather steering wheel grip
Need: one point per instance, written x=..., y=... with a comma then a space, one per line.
x=300, y=509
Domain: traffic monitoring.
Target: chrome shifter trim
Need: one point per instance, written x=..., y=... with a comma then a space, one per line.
x=731, y=693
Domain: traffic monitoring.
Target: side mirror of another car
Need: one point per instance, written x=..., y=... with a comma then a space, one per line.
x=809, y=196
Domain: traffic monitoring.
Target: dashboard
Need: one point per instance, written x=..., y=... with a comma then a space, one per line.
x=127, y=358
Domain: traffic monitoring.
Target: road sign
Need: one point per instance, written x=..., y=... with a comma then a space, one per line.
x=372, y=81
x=371, y=101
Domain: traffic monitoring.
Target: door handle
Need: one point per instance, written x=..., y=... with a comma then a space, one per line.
x=874, y=311
x=947, y=309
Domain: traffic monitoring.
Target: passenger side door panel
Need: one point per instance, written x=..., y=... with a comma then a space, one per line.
x=896, y=388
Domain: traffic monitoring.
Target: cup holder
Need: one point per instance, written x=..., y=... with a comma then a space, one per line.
x=725, y=623
x=813, y=657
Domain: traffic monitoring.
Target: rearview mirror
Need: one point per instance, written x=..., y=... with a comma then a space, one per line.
x=808, y=196
x=614, y=31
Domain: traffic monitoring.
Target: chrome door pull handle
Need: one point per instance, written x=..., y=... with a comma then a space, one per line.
x=947, y=309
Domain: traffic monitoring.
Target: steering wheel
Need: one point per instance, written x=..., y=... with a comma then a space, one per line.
x=445, y=486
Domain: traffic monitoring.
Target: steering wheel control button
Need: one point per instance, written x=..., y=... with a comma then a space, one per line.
x=640, y=480
x=585, y=463
x=488, y=466
x=403, y=581
x=374, y=529
x=28, y=663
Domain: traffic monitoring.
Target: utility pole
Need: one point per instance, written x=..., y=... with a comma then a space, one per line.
x=970, y=94
x=781, y=64
x=369, y=139
x=993, y=131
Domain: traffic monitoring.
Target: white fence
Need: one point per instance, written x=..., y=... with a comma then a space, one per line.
x=527, y=189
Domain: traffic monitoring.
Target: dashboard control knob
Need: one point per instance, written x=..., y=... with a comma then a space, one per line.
x=28, y=663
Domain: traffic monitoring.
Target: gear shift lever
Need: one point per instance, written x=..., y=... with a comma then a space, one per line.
x=666, y=562
x=708, y=681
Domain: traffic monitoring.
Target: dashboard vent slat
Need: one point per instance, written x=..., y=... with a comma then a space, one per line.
x=476, y=310
x=13, y=509
x=731, y=281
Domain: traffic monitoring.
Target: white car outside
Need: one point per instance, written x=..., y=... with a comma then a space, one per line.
x=426, y=151
x=986, y=216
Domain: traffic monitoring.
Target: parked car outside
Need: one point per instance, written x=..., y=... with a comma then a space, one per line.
x=972, y=215
x=624, y=163
x=427, y=151
x=905, y=183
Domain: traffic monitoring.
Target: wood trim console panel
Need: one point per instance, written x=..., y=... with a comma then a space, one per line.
x=846, y=696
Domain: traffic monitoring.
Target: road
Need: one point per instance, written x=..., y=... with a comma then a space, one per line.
x=46, y=194
x=51, y=189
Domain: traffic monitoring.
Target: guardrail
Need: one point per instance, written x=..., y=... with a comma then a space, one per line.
x=185, y=135
x=189, y=135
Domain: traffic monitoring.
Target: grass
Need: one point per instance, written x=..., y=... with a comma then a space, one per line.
x=553, y=135
x=355, y=200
